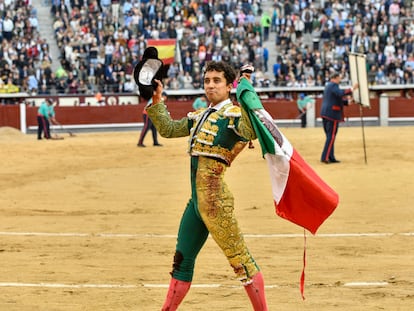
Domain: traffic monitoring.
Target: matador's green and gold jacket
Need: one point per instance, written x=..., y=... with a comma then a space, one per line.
x=222, y=135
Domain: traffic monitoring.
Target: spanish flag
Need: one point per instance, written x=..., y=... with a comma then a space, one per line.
x=166, y=49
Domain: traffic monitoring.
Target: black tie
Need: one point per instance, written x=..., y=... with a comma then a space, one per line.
x=200, y=123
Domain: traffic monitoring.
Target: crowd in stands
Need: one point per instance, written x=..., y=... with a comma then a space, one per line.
x=313, y=43
x=101, y=41
x=22, y=52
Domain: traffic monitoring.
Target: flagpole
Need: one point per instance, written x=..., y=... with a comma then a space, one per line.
x=363, y=133
x=361, y=113
x=178, y=55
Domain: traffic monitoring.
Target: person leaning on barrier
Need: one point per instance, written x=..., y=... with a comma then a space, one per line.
x=303, y=103
x=200, y=102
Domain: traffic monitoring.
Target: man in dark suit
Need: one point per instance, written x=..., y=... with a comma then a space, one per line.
x=334, y=100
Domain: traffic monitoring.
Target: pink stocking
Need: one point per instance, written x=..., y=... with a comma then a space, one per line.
x=256, y=293
x=176, y=293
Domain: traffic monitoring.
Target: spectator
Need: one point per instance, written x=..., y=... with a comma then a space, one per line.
x=173, y=70
x=32, y=83
x=8, y=27
x=73, y=87
x=43, y=90
x=266, y=23
x=197, y=82
x=82, y=87
x=61, y=86
x=187, y=81
x=174, y=84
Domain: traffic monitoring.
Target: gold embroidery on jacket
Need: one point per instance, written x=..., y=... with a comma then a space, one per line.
x=165, y=125
x=219, y=152
x=232, y=111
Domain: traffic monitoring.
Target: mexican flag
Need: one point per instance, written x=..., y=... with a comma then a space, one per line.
x=299, y=194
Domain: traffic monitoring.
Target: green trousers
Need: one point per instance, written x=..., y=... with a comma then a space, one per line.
x=210, y=211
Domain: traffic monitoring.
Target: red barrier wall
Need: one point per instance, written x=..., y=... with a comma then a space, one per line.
x=10, y=116
x=278, y=108
x=91, y=115
x=401, y=107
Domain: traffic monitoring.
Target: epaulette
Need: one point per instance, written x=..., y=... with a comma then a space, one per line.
x=233, y=111
x=193, y=115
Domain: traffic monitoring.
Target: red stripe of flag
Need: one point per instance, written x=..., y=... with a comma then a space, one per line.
x=166, y=49
x=307, y=200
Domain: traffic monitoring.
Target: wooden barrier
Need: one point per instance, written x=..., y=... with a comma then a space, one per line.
x=128, y=110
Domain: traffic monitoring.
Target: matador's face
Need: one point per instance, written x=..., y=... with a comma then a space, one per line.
x=216, y=87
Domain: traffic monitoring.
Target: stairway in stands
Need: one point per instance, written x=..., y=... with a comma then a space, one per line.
x=267, y=6
x=46, y=29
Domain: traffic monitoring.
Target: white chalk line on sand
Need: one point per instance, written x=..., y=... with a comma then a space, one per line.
x=132, y=286
x=163, y=236
x=148, y=235
x=61, y=285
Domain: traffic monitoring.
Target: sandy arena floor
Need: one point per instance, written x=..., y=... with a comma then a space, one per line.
x=89, y=223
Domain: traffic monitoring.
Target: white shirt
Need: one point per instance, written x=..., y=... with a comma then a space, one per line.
x=8, y=25
x=221, y=104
